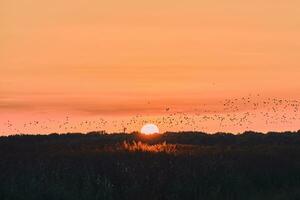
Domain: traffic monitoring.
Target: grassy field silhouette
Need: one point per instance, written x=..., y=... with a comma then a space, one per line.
x=185, y=165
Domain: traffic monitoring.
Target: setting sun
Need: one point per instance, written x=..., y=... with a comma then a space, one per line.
x=149, y=129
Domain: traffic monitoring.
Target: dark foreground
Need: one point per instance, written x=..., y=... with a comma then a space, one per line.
x=171, y=166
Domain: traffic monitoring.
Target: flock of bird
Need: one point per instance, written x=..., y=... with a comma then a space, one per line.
x=243, y=113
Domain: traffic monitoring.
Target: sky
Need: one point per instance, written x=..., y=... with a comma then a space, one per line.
x=88, y=59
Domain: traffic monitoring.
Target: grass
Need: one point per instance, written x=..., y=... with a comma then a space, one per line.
x=170, y=166
x=144, y=147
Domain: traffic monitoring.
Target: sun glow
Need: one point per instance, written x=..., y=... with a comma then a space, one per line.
x=149, y=129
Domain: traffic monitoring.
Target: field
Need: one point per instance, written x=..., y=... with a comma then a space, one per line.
x=132, y=166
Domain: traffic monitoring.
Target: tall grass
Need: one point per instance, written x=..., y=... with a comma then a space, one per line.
x=144, y=147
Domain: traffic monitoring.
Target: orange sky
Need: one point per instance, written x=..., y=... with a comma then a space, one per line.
x=120, y=58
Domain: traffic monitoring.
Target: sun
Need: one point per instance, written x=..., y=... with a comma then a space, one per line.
x=149, y=129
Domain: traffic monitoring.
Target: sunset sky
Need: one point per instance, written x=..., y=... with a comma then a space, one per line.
x=115, y=59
